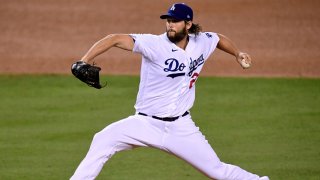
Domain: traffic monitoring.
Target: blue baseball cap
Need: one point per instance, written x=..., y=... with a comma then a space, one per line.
x=179, y=11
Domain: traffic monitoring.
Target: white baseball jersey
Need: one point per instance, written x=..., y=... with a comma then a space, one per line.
x=168, y=73
x=167, y=89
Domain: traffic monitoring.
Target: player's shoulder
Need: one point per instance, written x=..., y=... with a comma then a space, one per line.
x=206, y=35
x=147, y=41
x=146, y=36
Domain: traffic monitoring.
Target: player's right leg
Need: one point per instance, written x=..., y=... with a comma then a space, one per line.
x=134, y=131
x=189, y=144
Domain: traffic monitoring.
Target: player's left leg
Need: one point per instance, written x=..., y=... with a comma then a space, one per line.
x=187, y=142
x=134, y=131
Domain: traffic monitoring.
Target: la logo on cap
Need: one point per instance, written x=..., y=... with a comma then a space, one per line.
x=179, y=11
x=172, y=8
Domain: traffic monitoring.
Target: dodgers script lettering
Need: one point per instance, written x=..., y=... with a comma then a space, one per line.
x=194, y=64
x=173, y=65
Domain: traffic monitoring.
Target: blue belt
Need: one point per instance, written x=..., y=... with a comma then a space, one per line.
x=165, y=118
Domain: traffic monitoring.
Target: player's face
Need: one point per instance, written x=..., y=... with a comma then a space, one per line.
x=176, y=30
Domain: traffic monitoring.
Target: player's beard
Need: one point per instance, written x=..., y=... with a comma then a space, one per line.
x=178, y=36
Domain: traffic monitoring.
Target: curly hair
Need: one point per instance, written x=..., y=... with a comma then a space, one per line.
x=195, y=29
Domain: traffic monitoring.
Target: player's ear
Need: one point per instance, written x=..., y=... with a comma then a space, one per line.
x=188, y=24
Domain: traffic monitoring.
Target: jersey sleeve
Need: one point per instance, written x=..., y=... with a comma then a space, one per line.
x=211, y=40
x=144, y=44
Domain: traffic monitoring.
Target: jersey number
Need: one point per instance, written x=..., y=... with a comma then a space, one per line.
x=194, y=78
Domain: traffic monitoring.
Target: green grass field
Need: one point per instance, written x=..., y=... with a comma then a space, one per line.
x=264, y=125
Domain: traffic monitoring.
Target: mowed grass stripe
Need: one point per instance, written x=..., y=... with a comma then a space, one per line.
x=265, y=125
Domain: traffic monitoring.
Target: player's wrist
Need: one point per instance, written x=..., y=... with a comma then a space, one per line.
x=84, y=60
x=238, y=54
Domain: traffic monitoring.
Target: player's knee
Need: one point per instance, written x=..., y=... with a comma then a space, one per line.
x=106, y=137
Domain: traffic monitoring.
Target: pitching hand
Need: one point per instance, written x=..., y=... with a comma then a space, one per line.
x=244, y=60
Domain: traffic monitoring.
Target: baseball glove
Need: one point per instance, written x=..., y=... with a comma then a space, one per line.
x=87, y=73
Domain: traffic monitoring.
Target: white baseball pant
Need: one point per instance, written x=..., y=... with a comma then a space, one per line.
x=181, y=138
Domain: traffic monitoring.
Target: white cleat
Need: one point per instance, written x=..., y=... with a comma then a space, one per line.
x=264, y=178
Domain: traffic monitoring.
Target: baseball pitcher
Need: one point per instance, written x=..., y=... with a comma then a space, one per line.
x=171, y=64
